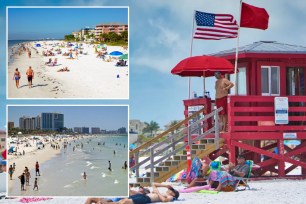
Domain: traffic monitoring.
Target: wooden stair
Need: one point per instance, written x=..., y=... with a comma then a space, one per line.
x=178, y=162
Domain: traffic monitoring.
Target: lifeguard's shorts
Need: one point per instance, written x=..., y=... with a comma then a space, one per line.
x=222, y=102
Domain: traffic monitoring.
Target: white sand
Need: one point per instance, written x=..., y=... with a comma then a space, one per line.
x=32, y=154
x=89, y=77
x=272, y=191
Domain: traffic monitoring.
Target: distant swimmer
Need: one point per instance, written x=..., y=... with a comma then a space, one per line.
x=35, y=184
x=114, y=152
x=84, y=175
x=109, y=166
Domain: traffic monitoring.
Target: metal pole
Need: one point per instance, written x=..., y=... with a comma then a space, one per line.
x=217, y=134
x=189, y=81
x=237, y=49
x=152, y=166
x=136, y=164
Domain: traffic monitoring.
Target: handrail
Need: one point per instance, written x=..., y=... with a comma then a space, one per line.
x=175, y=139
x=147, y=144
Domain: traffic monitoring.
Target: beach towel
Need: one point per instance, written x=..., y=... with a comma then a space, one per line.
x=195, y=170
x=195, y=188
x=178, y=176
x=33, y=199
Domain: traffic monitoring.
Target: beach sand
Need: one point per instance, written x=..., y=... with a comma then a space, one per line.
x=89, y=77
x=270, y=191
x=32, y=154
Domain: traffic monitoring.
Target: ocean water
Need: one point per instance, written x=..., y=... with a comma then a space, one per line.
x=63, y=175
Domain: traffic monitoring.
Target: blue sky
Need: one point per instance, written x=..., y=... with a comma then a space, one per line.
x=105, y=117
x=37, y=23
x=160, y=33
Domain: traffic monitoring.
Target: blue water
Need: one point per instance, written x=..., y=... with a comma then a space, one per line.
x=62, y=175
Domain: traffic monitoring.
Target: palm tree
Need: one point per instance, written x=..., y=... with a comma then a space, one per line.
x=151, y=127
x=124, y=35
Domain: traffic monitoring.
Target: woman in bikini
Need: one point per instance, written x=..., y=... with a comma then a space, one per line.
x=17, y=77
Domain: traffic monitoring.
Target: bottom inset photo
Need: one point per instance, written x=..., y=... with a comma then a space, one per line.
x=67, y=150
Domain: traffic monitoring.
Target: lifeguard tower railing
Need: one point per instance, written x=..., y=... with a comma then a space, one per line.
x=252, y=119
x=156, y=151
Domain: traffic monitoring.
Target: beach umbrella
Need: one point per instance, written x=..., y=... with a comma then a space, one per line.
x=4, y=154
x=203, y=66
x=116, y=53
x=132, y=146
x=124, y=57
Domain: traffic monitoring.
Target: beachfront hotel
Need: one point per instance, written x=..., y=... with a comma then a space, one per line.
x=52, y=121
x=110, y=27
x=29, y=123
x=95, y=130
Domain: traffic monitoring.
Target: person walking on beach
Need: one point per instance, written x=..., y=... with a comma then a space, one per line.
x=109, y=166
x=22, y=181
x=125, y=165
x=37, y=168
x=222, y=87
x=11, y=171
x=17, y=77
x=35, y=184
x=30, y=74
x=27, y=176
x=14, y=166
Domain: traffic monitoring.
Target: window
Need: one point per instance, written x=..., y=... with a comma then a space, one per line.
x=270, y=81
x=241, y=88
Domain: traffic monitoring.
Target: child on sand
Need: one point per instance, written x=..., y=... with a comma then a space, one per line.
x=35, y=184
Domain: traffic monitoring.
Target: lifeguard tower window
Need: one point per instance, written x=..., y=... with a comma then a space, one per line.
x=241, y=87
x=270, y=85
x=295, y=78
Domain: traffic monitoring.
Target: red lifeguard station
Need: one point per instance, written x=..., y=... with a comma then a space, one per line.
x=267, y=113
x=271, y=75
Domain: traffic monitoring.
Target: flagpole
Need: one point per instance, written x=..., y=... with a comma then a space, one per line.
x=189, y=80
x=191, y=45
x=237, y=49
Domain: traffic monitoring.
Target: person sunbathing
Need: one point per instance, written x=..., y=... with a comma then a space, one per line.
x=49, y=62
x=139, y=198
x=65, y=69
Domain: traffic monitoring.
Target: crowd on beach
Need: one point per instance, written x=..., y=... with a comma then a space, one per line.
x=47, y=58
x=33, y=144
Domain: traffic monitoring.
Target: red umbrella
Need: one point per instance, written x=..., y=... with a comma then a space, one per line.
x=4, y=154
x=203, y=66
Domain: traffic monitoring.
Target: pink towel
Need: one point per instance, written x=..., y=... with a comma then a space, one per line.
x=34, y=199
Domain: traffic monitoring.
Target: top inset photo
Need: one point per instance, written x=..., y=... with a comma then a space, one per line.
x=67, y=53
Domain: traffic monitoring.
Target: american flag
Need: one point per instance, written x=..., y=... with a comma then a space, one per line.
x=215, y=26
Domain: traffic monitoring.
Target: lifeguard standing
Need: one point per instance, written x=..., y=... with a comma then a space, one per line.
x=222, y=87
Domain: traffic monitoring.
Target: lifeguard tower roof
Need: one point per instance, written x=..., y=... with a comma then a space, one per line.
x=265, y=47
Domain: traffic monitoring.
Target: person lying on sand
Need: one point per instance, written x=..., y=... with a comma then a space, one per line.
x=65, y=69
x=49, y=62
x=153, y=197
x=141, y=190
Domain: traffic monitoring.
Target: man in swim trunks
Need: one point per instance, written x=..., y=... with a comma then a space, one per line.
x=30, y=74
x=140, y=198
x=222, y=87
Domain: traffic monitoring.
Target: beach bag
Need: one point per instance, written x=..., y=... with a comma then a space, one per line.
x=195, y=170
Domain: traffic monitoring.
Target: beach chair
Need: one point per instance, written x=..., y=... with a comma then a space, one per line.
x=242, y=182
